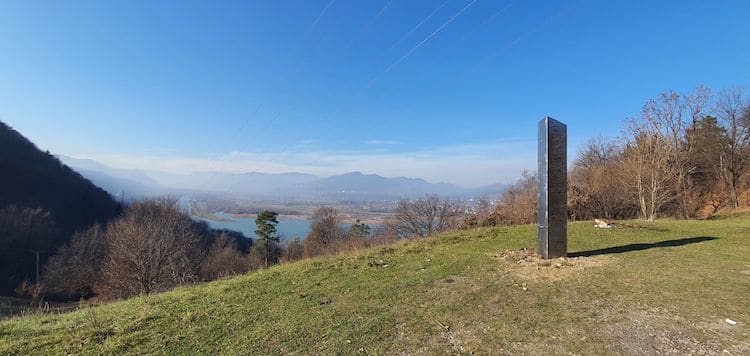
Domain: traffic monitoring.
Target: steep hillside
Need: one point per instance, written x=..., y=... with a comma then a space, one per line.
x=666, y=287
x=32, y=179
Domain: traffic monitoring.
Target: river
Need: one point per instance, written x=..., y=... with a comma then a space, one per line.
x=286, y=229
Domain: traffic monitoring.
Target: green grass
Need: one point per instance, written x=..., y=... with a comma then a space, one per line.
x=460, y=292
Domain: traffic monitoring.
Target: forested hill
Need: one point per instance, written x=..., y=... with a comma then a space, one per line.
x=42, y=202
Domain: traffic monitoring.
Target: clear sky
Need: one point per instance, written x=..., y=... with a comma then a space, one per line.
x=446, y=90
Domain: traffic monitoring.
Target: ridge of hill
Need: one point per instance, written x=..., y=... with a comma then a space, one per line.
x=664, y=287
x=33, y=179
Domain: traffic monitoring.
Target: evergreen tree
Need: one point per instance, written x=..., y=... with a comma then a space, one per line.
x=359, y=229
x=709, y=144
x=266, y=231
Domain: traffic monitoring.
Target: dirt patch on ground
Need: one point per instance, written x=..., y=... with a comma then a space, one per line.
x=451, y=280
x=527, y=264
x=650, y=332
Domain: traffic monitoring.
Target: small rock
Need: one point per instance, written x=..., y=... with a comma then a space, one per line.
x=730, y=321
x=525, y=289
x=348, y=341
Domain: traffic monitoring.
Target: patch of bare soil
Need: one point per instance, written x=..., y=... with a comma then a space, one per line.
x=650, y=332
x=527, y=264
x=451, y=280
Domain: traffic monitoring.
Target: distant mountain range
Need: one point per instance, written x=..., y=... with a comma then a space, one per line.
x=353, y=186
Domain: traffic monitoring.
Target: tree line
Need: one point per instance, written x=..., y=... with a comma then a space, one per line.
x=154, y=246
x=687, y=155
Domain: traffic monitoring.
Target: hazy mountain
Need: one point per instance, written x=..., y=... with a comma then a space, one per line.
x=349, y=186
x=356, y=185
x=133, y=183
x=265, y=184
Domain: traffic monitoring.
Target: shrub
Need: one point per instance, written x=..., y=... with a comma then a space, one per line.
x=152, y=248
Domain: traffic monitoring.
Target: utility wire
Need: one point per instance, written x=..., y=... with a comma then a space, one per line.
x=560, y=14
x=320, y=15
x=407, y=34
x=420, y=44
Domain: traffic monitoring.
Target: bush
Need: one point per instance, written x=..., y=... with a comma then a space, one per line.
x=518, y=204
x=293, y=251
x=426, y=216
x=223, y=258
x=152, y=248
x=326, y=233
x=74, y=271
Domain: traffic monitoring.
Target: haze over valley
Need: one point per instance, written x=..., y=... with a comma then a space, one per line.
x=352, y=186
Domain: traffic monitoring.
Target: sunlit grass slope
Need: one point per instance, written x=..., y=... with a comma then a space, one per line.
x=460, y=292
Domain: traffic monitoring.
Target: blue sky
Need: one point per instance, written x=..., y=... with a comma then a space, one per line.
x=447, y=90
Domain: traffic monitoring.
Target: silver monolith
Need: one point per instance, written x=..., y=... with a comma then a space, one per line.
x=552, y=209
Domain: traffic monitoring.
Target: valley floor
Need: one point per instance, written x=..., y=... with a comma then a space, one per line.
x=667, y=287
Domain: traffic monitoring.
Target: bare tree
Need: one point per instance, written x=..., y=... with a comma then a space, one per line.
x=479, y=214
x=591, y=192
x=152, y=248
x=74, y=271
x=655, y=161
x=26, y=235
x=736, y=120
x=648, y=170
x=426, y=216
x=665, y=117
x=223, y=258
x=326, y=233
x=293, y=250
x=518, y=203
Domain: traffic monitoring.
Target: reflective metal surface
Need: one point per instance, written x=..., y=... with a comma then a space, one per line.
x=552, y=210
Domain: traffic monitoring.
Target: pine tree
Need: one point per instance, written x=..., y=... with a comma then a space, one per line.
x=359, y=229
x=266, y=231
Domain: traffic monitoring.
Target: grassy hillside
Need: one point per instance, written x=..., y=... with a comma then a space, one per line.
x=665, y=287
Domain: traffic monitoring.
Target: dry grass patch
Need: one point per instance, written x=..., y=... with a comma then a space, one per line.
x=526, y=264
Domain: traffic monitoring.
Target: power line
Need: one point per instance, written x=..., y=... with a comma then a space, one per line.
x=490, y=19
x=407, y=34
x=560, y=14
x=311, y=28
x=420, y=44
x=320, y=15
